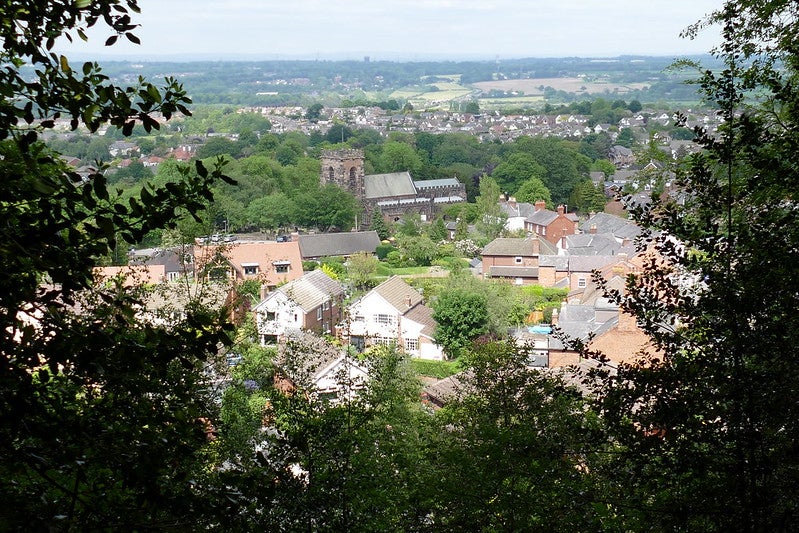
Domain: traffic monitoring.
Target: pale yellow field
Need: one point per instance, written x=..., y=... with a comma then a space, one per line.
x=571, y=85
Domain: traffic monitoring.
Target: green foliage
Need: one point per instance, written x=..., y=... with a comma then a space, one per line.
x=587, y=197
x=705, y=425
x=526, y=439
x=379, y=225
x=103, y=412
x=383, y=250
x=461, y=317
x=491, y=218
x=532, y=191
x=435, y=369
x=361, y=269
x=418, y=250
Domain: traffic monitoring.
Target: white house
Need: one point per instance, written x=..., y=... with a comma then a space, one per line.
x=393, y=313
x=312, y=302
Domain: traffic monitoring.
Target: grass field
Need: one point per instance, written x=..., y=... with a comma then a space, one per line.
x=533, y=86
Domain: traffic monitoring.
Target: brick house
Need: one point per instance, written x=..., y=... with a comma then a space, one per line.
x=515, y=259
x=271, y=263
x=551, y=225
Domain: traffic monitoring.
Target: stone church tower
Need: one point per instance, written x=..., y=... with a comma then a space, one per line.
x=345, y=169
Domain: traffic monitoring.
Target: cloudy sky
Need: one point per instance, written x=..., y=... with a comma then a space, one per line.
x=410, y=29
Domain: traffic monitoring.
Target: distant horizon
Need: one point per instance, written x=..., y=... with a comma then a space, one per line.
x=410, y=30
x=356, y=57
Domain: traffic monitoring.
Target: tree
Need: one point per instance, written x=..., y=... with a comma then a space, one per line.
x=272, y=212
x=314, y=112
x=419, y=248
x=517, y=169
x=706, y=424
x=399, y=157
x=103, y=414
x=525, y=437
x=361, y=268
x=338, y=133
x=379, y=225
x=328, y=207
x=587, y=197
x=532, y=191
x=460, y=318
x=491, y=219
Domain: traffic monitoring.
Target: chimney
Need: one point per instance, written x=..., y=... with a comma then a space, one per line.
x=536, y=245
x=540, y=205
x=561, y=210
x=408, y=301
x=512, y=202
x=501, y=198
x=592, y=230
x=554, y=320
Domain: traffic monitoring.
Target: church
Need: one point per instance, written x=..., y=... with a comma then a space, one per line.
x=391, y=195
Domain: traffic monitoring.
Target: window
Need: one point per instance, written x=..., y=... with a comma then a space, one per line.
x=250, y=270
x=384, y=341
x=318, y=313
x=172, y=276
x=581, y=283
x=326, y=305
x=282, y=267
x=381, y=318
x=271, y=316
x=411, y=345
x=517, y=260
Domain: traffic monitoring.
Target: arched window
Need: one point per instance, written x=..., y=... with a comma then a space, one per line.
x=353, y=180
x=331, y=176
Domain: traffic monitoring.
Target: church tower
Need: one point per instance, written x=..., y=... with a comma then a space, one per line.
x=345, y=169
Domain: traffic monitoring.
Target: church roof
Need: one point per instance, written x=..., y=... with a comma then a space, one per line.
x=388, y=185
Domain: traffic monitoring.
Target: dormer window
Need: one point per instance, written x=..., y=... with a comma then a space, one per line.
x=517, y=260
x=282, y=267
x=250, y=269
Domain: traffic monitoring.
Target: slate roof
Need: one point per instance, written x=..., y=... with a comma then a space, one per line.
x=332, y=244
x=388, y=185
x=522, y=209
x=429, y=184
x=520, y=246
x=312, y=290
x=587, y=263
x=591, y=244
x=611, y=224
x=560, y=262
x=512, y=272
x=545, y=217
x=396, y=292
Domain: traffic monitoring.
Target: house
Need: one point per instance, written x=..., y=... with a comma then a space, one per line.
x=270, y=263
x=551, y=225
x=309, y=364
x=517, y=212
x=393, y=313
x=515, y=259
x=177, y=262
x=623, y=230
x=321, y=245
x=312, y=302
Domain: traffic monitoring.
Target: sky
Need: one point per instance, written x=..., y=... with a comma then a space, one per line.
x=407, y=29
